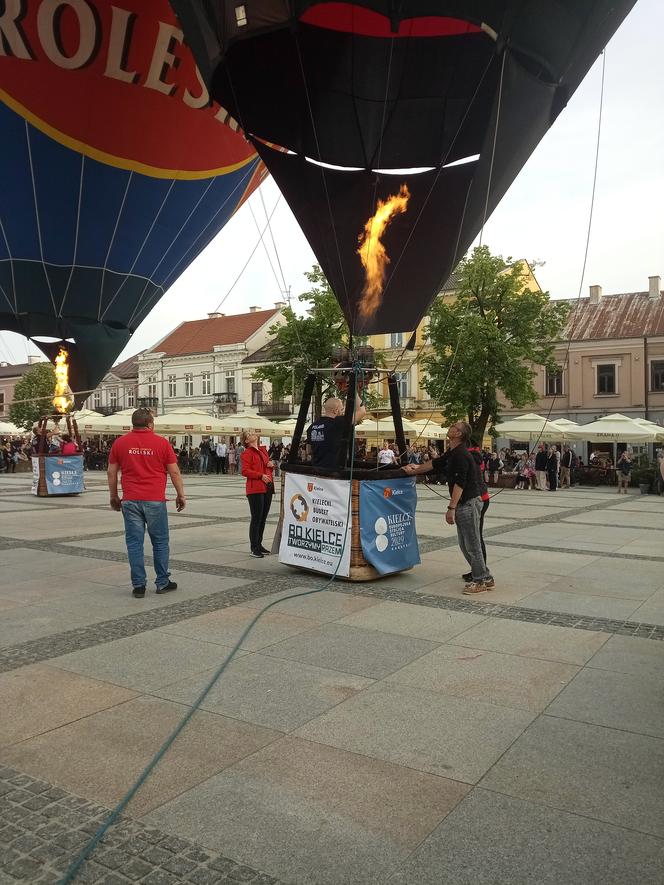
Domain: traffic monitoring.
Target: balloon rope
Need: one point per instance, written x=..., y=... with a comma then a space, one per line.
x=36, y=205
x=75, y=866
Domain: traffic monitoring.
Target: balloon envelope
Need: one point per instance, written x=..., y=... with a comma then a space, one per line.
x=115, y=172
x=383, y=85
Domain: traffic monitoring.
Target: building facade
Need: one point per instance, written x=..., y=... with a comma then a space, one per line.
x=117, y=390
x=10, y=375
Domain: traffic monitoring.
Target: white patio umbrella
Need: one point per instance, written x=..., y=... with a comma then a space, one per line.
x=287, y=428
x=531, y=428
x=656, y=429
x=383, y=428
x=188, y=420
x=241, y=421
x=116, y=424
x=565, y=423
x=429, y=429
x=9, y=429
x=613, y=428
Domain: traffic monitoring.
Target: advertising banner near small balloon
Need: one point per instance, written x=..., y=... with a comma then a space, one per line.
x=387, y=524
x=63, y=474
x=316, y=524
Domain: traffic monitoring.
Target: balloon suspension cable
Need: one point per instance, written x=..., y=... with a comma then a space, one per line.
x=78, y=862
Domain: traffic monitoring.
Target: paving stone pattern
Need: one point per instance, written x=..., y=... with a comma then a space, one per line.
x=42, y=829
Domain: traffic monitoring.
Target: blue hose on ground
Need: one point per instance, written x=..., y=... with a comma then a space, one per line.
x=75, y=866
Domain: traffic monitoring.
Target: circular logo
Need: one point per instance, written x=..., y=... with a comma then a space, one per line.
x=299, y=508
x=380, y=528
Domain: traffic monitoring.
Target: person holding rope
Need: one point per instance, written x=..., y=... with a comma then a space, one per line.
x=324, y=435
x=465, y=507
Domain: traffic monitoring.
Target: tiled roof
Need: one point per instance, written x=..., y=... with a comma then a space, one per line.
x=628, y=315
x=200, y=336
x=15, y=370
x=262, y=355
x=127, y=369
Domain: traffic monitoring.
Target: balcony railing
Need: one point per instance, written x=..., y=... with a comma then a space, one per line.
x=225, y=403
x=277, y=409
x=147, y=402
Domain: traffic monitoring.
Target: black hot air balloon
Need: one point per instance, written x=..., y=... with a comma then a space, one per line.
x=464, y=88
x=115, y=171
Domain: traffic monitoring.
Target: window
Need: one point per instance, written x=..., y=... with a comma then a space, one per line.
x=606, y=379
x=96, y=400
x=554, y=382
x=152, y=386
x=657, y=375
x=241, y=15
x=188, y=384
x=207, y=385
x=131, y=398
x=402, y=383
x=256, y=393
x=172, y=385
x=396, y=339
x=230, y=382
x=2, y=402
x=113, y=398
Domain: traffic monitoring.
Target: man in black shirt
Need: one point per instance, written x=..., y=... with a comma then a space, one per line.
x=465, y=507
x=324, y=435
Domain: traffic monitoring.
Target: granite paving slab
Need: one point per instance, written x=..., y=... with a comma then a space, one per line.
x=491, y=839
x=145, y=661
x=39, y=698
x=543, y=641
x=591, y=770
x=626, y=654
x=586, y=605
x=267, y=691
x=449, y=736
x=618, y=700
x=325, y=606
x=313, y=815
x=412, y=620
x=101, y=755
x=227, y=626
x=352, y=650
x=507, y=680
x=25, y=622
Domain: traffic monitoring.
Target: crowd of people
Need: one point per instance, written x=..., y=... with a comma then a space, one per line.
x=17, y=449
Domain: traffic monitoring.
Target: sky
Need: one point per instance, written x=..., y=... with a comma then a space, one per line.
x=543, y=217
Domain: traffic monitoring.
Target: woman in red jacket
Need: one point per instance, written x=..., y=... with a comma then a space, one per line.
x=257, y=468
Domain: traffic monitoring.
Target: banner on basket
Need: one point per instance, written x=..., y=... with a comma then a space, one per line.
x=316, y=526
x=64, y=474
x=387, y=524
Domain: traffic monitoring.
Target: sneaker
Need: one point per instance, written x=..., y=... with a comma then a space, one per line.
x=138, y=592
x=489, y=583
x=265, y=552
x=256, y=554
x=167, y=589
x=475, y=587
x=468, y=577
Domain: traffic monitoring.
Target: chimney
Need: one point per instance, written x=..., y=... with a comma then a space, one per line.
x=254, y=308
x=280, y=305
x=215, y=315
x=595, y=294
x=654, y=285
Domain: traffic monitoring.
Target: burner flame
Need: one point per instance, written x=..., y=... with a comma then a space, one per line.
x=64, y=398
x=372, y=252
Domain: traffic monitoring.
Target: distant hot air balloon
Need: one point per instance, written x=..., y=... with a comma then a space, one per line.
x=116, y=170
x=465, y=88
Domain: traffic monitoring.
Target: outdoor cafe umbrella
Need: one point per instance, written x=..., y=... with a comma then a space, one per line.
x=188, y=420
x=8, y=429
x=429, y=429
x=383, y=428
x=113, y=425
x=656, y=429
x=613, y=428
x=531, y=428
x=241, y=421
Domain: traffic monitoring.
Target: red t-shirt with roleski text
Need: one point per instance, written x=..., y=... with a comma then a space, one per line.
x=142, y=457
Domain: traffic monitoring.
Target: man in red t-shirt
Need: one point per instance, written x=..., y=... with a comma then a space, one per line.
x=144, y=460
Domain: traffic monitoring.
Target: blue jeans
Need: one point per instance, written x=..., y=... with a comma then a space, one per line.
x=468, y=518
x=203, y=462
x=139, y=515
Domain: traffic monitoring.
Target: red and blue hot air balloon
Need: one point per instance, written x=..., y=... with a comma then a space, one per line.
x=116, y=170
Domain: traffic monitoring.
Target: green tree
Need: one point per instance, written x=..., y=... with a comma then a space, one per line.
x=33, y=395
x=487, y=338
x=306, y=342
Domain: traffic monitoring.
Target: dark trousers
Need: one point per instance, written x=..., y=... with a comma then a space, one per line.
x=221, y=463
x=485, y=507
x=553, y=480
x=259, y=505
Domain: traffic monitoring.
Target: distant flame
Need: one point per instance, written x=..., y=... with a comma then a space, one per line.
x=372, y=252
x=63, y=399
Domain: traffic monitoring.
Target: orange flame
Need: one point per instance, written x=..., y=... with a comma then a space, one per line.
x=63, y=399
x=372, y=252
